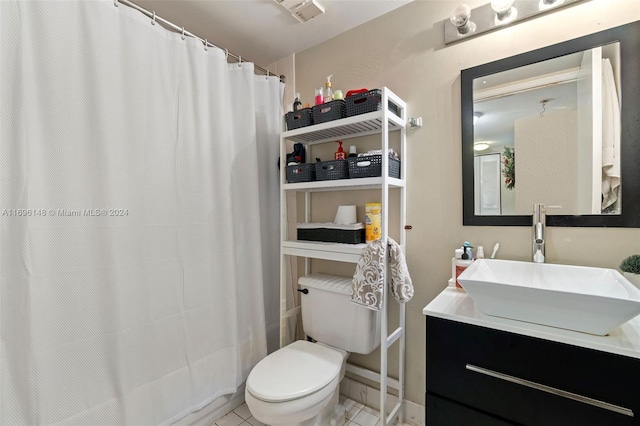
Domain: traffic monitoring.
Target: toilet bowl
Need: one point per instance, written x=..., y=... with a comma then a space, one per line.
x=300, y=383
x=296, y=385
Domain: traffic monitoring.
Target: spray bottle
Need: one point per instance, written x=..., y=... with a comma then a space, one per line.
x=328, y=94
x=340, y=154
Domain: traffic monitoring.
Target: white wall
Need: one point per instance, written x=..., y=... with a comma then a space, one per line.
x=404, y=50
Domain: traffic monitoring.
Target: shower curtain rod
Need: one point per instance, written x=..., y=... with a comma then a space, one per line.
x=181, y=30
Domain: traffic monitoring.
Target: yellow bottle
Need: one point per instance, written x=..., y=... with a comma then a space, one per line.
x=373, y=221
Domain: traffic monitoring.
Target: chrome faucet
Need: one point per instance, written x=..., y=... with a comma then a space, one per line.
x=539, y=219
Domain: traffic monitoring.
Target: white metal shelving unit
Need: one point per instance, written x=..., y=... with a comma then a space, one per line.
x=374, y=123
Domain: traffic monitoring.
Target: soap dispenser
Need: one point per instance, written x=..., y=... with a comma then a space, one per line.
x=464, y=261
x=318, y=98
x=297, y=104
x=328, y=94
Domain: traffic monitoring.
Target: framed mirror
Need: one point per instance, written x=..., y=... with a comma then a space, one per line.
x=558, y=126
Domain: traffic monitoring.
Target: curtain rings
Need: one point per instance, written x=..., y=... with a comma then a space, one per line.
x=183, y=33
x=226, y=53
x=239, y=60
x=153, y=18
x=205, y=44
x=115, y=3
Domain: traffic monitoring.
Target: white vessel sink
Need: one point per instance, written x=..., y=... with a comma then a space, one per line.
x=589, y=300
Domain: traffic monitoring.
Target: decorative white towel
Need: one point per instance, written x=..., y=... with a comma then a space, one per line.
x=401, y=284
x=368, y=281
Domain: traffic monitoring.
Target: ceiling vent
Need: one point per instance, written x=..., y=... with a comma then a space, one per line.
x=302, y=10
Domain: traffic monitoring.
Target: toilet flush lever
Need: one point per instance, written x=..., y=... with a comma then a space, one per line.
x=303, y=291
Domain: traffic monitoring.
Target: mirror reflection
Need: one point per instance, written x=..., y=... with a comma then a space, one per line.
x=549, y=133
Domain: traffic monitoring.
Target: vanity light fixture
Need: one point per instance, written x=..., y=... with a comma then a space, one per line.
x=494, y=15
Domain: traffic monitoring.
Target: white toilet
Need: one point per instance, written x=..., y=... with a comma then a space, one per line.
x=300, y=383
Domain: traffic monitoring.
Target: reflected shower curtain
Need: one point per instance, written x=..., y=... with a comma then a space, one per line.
x=131, y=276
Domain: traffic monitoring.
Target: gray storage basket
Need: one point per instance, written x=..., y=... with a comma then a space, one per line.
x=332, y=170
x=298, y=119
x=329, y=111
x=362, y=103
x=371, y=166
x=305, y=172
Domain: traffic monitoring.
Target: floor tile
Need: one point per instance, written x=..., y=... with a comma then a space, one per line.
x=371, y=410
x=243, y=411
x=352, y=408
x=254, y=422
x=365, y=418
x=231, y=419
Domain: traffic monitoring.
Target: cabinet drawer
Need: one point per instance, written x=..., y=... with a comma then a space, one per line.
x=442, y=412
x=517, y=377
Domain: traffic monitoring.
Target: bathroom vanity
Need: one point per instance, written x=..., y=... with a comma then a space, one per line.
x=484, y=370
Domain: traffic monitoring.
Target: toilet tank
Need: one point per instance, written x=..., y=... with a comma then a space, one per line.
x=329, y=316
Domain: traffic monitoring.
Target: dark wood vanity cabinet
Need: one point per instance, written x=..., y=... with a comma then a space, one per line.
x=482, y=376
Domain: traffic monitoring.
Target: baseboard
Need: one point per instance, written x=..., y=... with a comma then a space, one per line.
x=214, y=411
x=370, y=396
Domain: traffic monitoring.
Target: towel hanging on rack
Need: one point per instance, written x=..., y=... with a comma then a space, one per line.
x=367, y=287
x=401, y=284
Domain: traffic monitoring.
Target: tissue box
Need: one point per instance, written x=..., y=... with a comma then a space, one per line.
x=331, y=232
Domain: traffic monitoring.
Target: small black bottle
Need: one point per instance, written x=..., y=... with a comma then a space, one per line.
x=297, y=104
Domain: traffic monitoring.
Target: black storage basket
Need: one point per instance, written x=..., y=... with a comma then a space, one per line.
x=371, y=166
x=305, y=172
x=301, y=118
x=355, y=236
x=328, y=111
x=332, y=170
x=362, y=103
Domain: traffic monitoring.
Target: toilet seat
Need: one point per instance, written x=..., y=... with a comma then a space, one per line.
x=295, y=371
x=295, y=383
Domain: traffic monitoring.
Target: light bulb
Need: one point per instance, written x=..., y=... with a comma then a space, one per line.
x=461, y=19
x=502, y=8
x=549, y=4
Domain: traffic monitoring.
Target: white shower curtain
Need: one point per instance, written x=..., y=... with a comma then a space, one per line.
x=131, y=243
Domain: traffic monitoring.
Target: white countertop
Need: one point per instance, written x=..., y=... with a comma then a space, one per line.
x=455, y=304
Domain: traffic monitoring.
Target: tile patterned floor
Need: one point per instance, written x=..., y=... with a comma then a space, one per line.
x=356, y=413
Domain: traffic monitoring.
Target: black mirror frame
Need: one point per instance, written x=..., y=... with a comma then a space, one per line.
x=629, y=37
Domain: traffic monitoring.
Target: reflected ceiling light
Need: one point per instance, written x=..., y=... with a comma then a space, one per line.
x=461, y=19
x=476, y=117
x=480, y=146
x=505, y=12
